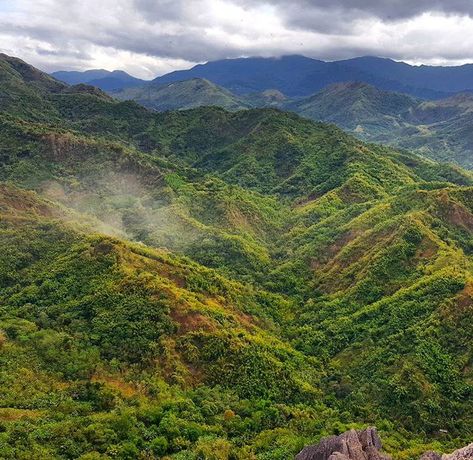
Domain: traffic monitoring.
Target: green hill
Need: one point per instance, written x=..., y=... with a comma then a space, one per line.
x=206, y=284
x=357, y=107
x=180, y=95
x=437, y=129
x=440, y=130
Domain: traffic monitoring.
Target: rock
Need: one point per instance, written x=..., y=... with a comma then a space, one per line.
x=352, y=445
x=466, y=453
x=431, y=456
x=366, y=445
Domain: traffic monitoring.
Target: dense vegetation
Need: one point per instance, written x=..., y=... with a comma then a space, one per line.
x=438, y=129
x=187, y=94
x=213, y=285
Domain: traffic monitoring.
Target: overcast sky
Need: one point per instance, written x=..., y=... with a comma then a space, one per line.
x=152, y=37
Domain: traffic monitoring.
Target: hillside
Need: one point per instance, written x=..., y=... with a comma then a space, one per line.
x=105, y=344
x=181, y=95
x=212, y=284
x=357, y=107
x=438, y=129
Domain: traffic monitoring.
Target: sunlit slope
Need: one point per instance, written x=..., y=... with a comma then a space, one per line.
x=96, y=323
x=390, y=302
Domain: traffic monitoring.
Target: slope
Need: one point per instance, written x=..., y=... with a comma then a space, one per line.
x=357, y=107
x=437, y=129
x=389, y=300
x=100, y=339
x=182, y=95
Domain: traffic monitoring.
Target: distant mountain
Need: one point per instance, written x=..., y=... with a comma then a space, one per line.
x=298, y=76
x=440, y=129
x=451, y=79
x=186, y=94
x=303, y=76
x=103, y=79
x=356, y=107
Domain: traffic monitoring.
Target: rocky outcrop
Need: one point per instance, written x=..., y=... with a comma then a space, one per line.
x=431, y=456
x=466, y=453
x=366, y=445
x=352, y=445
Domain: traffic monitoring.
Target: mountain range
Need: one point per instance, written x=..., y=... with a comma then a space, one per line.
x=298, y=76
x=378, y=100
x=214, y=284
x=439, y=129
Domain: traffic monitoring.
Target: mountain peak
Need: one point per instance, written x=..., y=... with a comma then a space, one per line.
x=182, y=94
x=29, y=74
x=107, y=80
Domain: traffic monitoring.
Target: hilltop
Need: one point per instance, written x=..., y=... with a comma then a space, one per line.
x=181, y=95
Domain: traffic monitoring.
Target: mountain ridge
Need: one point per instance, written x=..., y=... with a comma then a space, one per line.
x=300, y=76
x=103, y=79
x=297, y=75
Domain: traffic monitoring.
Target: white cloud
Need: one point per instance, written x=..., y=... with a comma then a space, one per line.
x=151, y=37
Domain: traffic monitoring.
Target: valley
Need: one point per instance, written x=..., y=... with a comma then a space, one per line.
x=229, y=281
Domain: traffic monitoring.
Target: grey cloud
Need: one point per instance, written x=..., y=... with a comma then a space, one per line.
x=188, y=41
x=334, y=17
x=194, y=31
x=352, y=9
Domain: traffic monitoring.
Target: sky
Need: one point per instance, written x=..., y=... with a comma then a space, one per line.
x=151, y=37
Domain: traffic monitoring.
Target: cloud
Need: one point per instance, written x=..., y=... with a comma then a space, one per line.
x=304, y=11
x=151, y=37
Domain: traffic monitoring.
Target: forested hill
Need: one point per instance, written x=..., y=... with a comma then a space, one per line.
x=230, y=285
